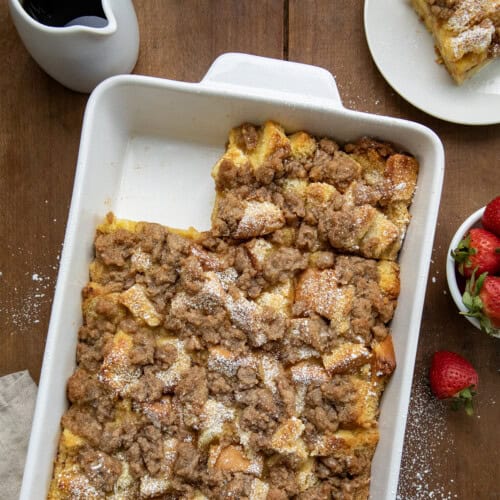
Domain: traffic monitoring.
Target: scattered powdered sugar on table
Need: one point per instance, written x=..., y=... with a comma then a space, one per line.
x=26, y=310
x=429, y=445
x=25, y=306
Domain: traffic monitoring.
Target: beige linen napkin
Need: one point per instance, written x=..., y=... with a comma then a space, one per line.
x=17, y=402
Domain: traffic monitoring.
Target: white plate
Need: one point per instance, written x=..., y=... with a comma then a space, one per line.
x=403, y=51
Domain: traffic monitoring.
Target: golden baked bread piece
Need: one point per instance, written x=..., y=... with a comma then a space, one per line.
x=466, y=33
x=247, y=361
x=356, y=198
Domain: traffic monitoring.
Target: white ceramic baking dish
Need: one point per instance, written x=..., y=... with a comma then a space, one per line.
x=147, y=149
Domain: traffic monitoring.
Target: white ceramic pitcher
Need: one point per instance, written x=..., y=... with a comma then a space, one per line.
x=81, y=54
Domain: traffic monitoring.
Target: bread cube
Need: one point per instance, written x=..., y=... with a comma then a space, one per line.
x=116, y=370
x=306, y=478
x=318, y=291
x=286, y=439
x=303, y=145
x=388, y=278
x=171, y=376
x=307, y=372
x=272, y=140
x=401, y=170
x=384, y=357
x=234, y=459
x=136, y=300
x=259, y=218
x=279, y=298
x=214, y=416
x=345, y=357
x=259, y=250
x=259, y=490
x=345, y=443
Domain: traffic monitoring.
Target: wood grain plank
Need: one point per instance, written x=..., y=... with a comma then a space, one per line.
x=181, y=38
x=447, y=454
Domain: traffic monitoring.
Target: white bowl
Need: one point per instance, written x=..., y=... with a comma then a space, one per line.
x=451, y=273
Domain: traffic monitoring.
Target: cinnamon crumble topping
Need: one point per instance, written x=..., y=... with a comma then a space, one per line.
x=247, y=361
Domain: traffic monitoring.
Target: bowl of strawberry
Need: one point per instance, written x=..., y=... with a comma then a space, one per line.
x=473, y=268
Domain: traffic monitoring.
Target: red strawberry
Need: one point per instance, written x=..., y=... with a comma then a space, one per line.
x=491, y=216
x=482, y=299
x=452, y=376
x=479, y=251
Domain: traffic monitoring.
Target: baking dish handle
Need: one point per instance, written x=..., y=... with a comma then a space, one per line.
x=262, y=76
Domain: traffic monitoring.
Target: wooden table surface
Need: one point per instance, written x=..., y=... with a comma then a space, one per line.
x=447, y=455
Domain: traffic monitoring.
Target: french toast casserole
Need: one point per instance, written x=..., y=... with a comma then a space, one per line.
x=246, y=361
x=466, y=33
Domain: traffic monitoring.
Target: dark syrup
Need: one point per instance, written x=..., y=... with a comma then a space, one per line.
x=60, y=13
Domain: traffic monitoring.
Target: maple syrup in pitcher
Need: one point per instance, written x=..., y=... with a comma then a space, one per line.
x=63, y=13
x=79, y=43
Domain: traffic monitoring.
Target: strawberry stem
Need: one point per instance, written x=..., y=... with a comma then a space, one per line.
x=464, y=399
x=462, y=254
x=469, y=408
x=475, y=306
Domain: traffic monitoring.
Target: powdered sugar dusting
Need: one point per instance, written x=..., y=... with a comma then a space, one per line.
x=213, y=418
x=245, y=315
x=259, y=490
x=241, y=312
x=259, y=218
x=141, y=261
x=151, y=486
x=307, y=373
x=300, y=395
x=270, y=370
x=306, y=353
x=429, y=444
x=256, y=466
x=117, y=372
x=223, y=362
x=476, y=39
x=467, y=13
x=171, y=376
x=76, y=484
x=26, y=306
x=227, y=277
